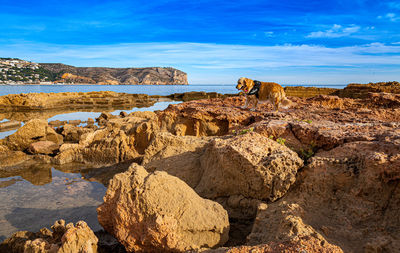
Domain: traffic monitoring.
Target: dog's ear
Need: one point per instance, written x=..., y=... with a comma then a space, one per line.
x=248, y=83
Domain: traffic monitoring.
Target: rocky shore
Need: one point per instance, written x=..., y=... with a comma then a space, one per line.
x=207, y=175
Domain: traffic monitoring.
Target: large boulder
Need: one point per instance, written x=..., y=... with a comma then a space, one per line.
x=33, y=131
x=231, y=170
x=63, y=239
x=158, y=212
x=250, y=165
x=177, y=155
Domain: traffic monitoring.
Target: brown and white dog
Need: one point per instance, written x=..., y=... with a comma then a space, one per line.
x=262, y=91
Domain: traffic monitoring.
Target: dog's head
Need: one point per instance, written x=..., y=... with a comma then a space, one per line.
x=245, y=84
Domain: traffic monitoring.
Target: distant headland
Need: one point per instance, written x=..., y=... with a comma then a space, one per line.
x=17, y=71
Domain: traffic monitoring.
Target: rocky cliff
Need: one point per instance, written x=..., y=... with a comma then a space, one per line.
x=99, y=75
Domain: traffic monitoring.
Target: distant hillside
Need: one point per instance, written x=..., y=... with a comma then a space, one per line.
x=16, y=71
x=99, y=75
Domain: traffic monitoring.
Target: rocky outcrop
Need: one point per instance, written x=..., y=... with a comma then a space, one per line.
x=33, y=131
x=63, y=239
x=71, y=100
x=160, y=213
x=230, y=170
x=303, y=244
x=155, y=75
x=204, y=117
x=307, y=92
x=356, y=90
x=344, y=197
x=348, y=196
x=71, y=78
x=242, y=170
x=119, y=140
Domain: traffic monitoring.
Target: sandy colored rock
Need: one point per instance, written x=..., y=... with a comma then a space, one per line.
x=73, y=133
x=177, y=155
x=3, y=149
x=63, y=239
x=284, y=225
x=160, y=213
x=104, y=146
x=43, y=147
x=348, y=195
x=230, y=170
x=250, y=165
x=356, y=90
x=119, y=140
x=12, y=158
x=303, y=245
x=33, y=131
x=12, y=124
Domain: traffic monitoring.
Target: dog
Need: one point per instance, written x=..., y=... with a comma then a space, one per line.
x=263, y=91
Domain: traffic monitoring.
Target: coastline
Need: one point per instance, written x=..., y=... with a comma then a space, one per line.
x=318, y=147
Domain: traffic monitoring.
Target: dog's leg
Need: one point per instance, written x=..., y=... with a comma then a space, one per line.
x=246, y=103
x=276, y=104
x=255, y=105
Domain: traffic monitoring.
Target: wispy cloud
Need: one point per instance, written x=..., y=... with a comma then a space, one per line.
x=390, y=16
x=218, y=61
x=269, y=34
x=335, y=32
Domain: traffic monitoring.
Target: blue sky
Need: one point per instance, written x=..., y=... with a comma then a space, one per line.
x=290, y=42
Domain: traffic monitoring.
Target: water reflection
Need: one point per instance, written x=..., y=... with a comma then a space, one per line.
x=35, y=196
x=36, y=174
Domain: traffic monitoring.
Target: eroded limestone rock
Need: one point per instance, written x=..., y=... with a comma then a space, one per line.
x=348, y=195
x=43, y=147
x=250, y=165
x=177, y=155
x=33, y=131
x=158, y=212
x=63, y=239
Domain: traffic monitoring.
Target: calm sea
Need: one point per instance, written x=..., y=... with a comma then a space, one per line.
x=146, y=89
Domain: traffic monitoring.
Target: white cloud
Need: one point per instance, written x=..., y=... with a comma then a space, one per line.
x=219, y=62
x=335, y=32
x=390, y=16
x=269, y=34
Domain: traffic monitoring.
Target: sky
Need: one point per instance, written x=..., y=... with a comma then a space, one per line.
x=214, y=42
